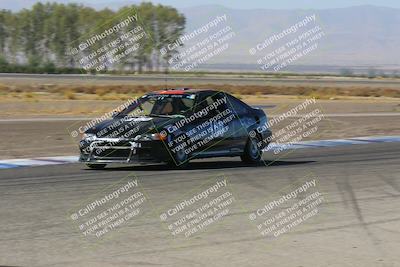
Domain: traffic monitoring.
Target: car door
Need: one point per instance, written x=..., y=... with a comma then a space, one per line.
x=240, y=124
x=210, y=129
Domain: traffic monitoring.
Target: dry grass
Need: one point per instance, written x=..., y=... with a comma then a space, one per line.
x=69, y=94
x=121, y=92
x=29, y=95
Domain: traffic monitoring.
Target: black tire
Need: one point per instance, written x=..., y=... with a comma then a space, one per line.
x=181, y=160
x=96, y=166
x=252, y=152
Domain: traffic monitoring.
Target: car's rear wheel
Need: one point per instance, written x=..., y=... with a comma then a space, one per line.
x=252, y=152
x=96, y=166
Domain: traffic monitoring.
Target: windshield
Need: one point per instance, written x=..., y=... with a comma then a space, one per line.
x=163, y=105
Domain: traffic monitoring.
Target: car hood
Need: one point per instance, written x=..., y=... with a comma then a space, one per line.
x=129, y=127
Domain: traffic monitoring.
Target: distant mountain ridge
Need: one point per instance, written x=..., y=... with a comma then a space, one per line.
x=360, y=35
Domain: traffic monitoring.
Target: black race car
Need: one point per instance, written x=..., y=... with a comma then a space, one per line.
x=175, y=126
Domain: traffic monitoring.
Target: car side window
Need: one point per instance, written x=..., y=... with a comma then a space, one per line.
x=207, y=100
x=238, y=106
x=219, y=99
x=201, y=103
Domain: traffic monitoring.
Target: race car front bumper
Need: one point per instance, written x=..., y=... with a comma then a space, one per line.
x=123, y=151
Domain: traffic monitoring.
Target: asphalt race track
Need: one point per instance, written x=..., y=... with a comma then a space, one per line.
x=357, y=224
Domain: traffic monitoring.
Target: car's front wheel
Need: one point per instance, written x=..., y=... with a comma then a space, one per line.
x=96, y=166
x=252, y=152
x=179, y=159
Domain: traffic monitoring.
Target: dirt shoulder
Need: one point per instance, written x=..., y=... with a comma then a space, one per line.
x=11, y=107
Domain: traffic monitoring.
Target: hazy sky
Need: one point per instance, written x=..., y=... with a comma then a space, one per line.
x=249, y=4
x=283, y=4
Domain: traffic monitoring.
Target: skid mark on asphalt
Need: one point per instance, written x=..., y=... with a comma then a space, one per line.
x=258, y=238
x=390, y=183
x=341, y=190
x=358, y=212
